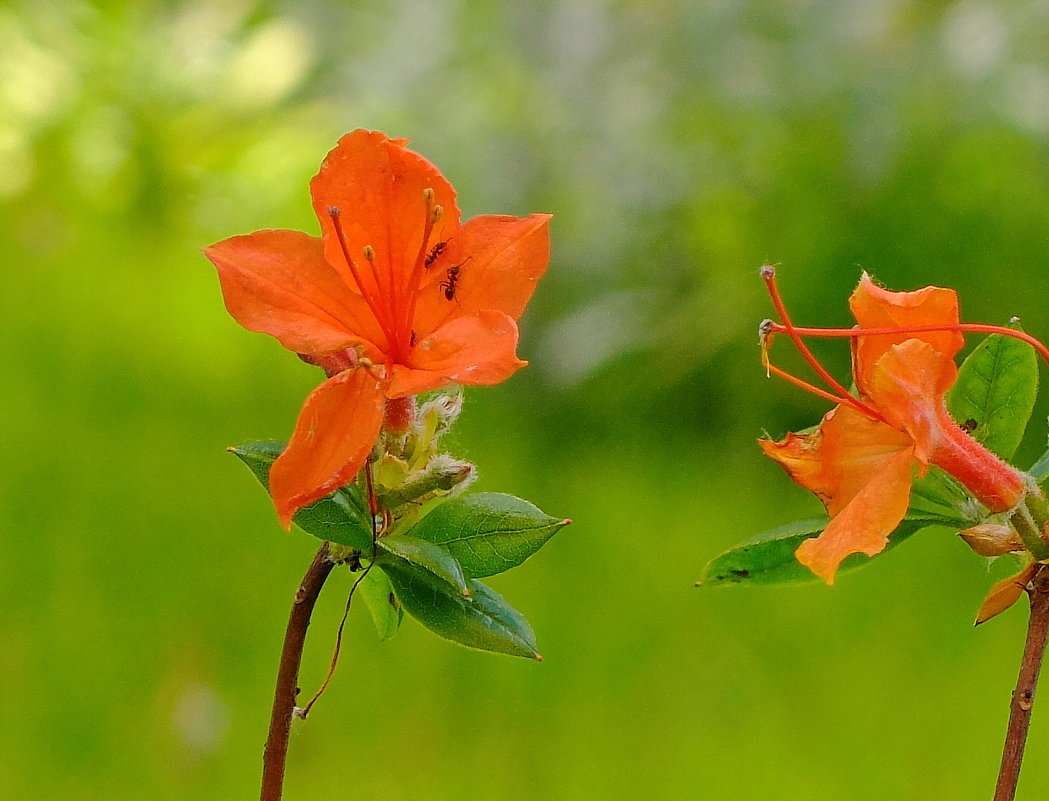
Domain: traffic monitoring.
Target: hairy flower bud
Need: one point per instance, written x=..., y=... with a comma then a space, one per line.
x=442, y=476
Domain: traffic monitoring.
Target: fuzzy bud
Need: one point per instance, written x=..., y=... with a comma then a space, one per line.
x=442, y=476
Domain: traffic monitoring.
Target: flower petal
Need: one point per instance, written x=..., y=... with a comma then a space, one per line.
x=480, y=348
x=875, y=307
x=837, y=460
x=277, y=282
x=333, y=436
x=907, y=385
x=864, y=524
x=378, y=184
x=500, y=260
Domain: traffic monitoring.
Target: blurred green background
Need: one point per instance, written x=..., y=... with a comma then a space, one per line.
x=144, y=582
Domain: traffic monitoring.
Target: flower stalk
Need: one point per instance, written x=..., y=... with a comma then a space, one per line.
x=1026, y=683
x=275, y=756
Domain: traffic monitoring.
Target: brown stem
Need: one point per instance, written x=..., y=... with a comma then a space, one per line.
x=288, y=676
x=1023, y=695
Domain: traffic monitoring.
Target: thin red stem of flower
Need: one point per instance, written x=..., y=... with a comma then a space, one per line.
x=305, y=711
x=972, y=328
x=768, y=275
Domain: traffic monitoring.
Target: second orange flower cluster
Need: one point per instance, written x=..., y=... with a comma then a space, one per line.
x=862, y=458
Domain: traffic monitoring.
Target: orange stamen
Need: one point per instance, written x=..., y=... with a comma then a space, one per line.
x=768, y=275
x=971, y=328
x=334, y=213
x=386, y=292
x=822, y=393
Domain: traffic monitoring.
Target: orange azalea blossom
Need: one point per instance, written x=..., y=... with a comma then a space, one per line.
x=396, y=297
x=861, y=458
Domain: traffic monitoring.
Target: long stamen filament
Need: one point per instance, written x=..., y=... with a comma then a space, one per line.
x=973, y=328
x=768, y=275
x=847, y=400
x=386, y=296
x=382, y=319
x=433, y=215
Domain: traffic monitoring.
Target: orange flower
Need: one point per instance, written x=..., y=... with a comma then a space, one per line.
x=861, y=458
x=396, y=297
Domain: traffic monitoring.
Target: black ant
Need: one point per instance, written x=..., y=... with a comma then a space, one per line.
x=451, y=285
x=434, y=253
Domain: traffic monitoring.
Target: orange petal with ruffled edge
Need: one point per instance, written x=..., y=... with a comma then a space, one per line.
x=837, y=459
x=477, y=349
x=378, y=184
x=500, y=260
x=333, y=436
x=277, y=282
x=864, y=524
x=875, y=307
x=907, y=385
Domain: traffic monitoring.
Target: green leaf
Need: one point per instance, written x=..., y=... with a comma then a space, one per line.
x=426, y=555
x=487, y=623
x=1040, y=469
x=488, y=532
x=769, y=557
x=341, y=517
x=386, y=610
x=995, y=392
x=938, y=494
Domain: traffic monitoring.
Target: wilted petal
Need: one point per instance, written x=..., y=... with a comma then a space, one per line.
x=875, y=307
x=837, y=460
x=1005, y=593
x=333, y=436
x=864, y=524
x=477, y=349
x=277, y=282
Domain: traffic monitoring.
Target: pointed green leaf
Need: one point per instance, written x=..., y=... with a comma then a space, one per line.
x=487, y=622
x=488, y=532
x=341, y=517
x=386, y=610
x=995, y=392
x=769, y=557
x=1040, y=469
x=428, y=556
